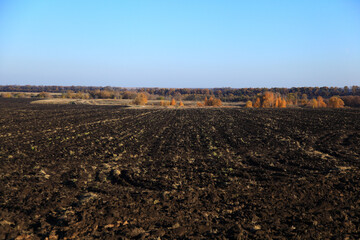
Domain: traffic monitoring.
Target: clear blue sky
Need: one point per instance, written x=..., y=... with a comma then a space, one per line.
x=180, y=43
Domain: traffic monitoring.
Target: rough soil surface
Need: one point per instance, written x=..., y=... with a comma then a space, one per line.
x=106, y=172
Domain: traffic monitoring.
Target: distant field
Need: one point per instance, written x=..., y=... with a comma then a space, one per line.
x=79, y=171
x=121, y=102
x=84, y=101
x=32, y=93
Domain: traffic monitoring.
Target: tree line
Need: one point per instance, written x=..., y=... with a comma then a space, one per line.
x=276, y=100
x=235, y=94
x=284, y=96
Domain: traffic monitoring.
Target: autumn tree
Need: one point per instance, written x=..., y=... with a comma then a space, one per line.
x=173, y=102
x=336, y=102
x=141, y=99
x=277, y=102
x=282, y=103
x=108, y=94
x=129, y=95
x=291, y=99
x=81, y=95
x=69, y=94
x=321, y=103
x=257, y=103
x=268, y=99
x=215, y=102
x=313, y=103
x=304, y=99
x=44, y=95
x=164, y=103
x=6, y=95
x=181, y=104
x=249, y=104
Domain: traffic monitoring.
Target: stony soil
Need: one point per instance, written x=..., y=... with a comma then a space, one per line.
x=106, y=172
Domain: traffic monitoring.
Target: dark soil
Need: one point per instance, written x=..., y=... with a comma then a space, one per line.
x=87, y=172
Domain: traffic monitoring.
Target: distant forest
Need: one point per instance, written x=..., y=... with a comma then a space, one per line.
x=225, y=94
x=350, y=95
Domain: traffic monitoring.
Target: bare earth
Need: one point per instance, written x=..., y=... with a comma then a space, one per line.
x=109, y=172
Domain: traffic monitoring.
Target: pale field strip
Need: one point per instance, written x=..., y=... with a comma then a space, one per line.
x=83, y=101
x=31, y=94
x=123, y=102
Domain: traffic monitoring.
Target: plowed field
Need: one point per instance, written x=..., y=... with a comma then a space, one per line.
x=84, y=172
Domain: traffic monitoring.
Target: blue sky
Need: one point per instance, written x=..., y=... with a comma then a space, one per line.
x=180, y=43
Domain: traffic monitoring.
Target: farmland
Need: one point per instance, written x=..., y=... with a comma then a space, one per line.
x=109, y=172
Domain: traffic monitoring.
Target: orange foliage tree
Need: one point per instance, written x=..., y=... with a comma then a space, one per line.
x=141, y=99
x=6, y=95
x=291, y=99
x=173, y=102
x=208, y=101
x=257, y=103
x=304, y=99
x=336, y=102
x=164, y=103
x=313, y=103
x=277, y=102
x=181, y=104
x=282, y=103
x=108, y=94
x=249, y=104
x=321, y=102
x=268, y=99
x=215, y=102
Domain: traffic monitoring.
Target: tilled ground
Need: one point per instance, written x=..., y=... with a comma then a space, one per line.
x=84, y=172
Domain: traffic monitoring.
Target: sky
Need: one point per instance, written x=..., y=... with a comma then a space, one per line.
x=180, y=43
